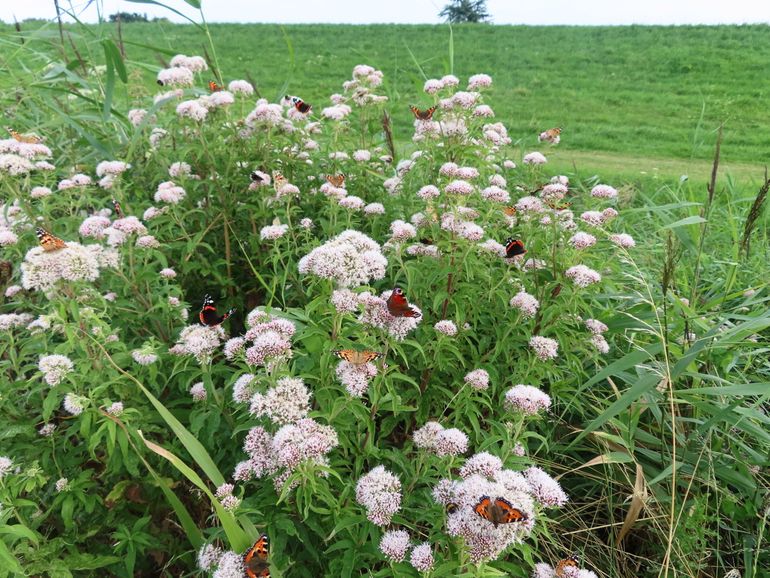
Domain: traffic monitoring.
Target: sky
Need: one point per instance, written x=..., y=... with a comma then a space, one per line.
x=575, y=12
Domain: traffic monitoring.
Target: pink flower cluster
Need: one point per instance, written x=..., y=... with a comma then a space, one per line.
x=354, y=377
x=527, y=399
x=379, y=492
x=270, y=338
x=351, y=258
x=434, y=438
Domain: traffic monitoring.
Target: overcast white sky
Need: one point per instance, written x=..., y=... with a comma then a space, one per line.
x=422, y=11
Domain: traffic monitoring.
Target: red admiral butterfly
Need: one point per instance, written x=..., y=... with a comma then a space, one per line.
x=514, y=247
x=208, y=314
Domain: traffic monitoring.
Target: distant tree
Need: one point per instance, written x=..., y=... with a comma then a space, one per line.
x=126, y=17
x=466, y=11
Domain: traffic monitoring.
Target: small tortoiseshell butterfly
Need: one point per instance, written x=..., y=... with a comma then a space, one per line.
x=426, y=114
x=568, y=562
x=514, y=247
x=208, y=314
x=357, y=358
x=48, y=241
x=214, y=87
x=550, y=135
x=398, y=306
x=255, y=559
x=499, y=511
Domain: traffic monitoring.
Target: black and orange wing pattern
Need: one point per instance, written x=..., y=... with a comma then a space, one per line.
x=498, y=511
x=300, y=104
x=255, y=559
x=357, y=357
x=510, y=211
x=278, y=181
x=48, y=241
x=571, y=561
x=398, y=306
x=514, y=247
x=24, y=138
x=556, y=207
x=208, y=314
x=337, y=180
x=214, y=87
x=426, y=114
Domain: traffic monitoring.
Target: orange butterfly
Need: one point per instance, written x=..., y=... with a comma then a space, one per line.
x=278, y=181
x=48, y=241
x=568, y=562
x=214, y=87
x=398, y=306
x=510, y=211
x=426, y=114
x=357, y=358
x=25, y=138
x=337, y=180
x=550, y=135
x=499, y=511
x=556, y=207
x=255, y=559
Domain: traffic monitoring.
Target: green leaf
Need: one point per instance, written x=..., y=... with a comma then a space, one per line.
x=236, y=536
x=693, y=220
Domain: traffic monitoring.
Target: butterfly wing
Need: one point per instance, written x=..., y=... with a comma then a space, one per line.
x=48, y=241
x=301, y=105
x=214, y=87
x=357, y=357
x=505, y=513
x=278, y=181
x=398, y=306
x=568, y=562
x=255, y=559
x=510, y=211
x=484, y=509
x=514, y=247
x=208, y=314
x=426, y=114
x=336, y=180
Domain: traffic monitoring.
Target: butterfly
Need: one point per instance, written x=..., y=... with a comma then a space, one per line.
x=279, y=181
x=256, y=177
x=514, y=247
x=48, y=241
x=551, y=135
x=25, y=138
x=499, y=511
x=208, y=314
x=336, y=180
x=510, y=211
x=570, y=561
x=357, y=358
x=255, y=559
x=214, y=87
x=398, y=306
x=118, y=210
x=426, y=114
x=299, y=104
x=556, y=207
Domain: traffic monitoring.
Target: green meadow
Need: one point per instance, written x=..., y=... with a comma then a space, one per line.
x=648, y=99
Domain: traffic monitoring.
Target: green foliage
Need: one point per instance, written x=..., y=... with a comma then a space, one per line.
x=673, y=418
x=128, y=17
x=470, y=11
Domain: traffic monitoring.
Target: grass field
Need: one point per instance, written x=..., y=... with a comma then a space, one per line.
x=644, y=97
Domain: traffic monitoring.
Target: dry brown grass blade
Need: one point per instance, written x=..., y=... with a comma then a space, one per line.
x=637, y=503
